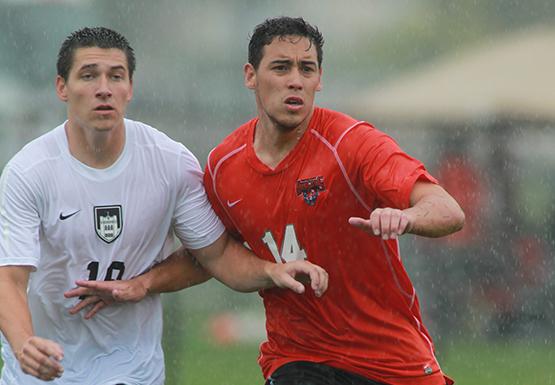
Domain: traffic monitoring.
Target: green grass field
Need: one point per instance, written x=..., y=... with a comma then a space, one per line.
x=192, y=359
x=469, y=362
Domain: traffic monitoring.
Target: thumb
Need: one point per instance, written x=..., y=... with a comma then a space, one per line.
x=357, y=221
x=292, y=284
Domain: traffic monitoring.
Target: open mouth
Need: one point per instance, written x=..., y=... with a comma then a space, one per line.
x=294, y=101
x=104, y=108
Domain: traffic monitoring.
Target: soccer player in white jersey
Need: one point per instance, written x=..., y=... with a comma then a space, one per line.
x=98, y=198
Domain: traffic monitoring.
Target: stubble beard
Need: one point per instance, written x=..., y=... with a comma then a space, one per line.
x=286, y=126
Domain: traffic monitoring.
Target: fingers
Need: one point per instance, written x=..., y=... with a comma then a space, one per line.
x=108, y=290
x=119, y=290
x=88, y=301
x=96, y=295
x=77, y=292
x=386, y=222
x=41, y=358
x=303, y=269
x=288, y=282
x=99, y=286
x=88, y=288
x=96, y=308
x=318, y=280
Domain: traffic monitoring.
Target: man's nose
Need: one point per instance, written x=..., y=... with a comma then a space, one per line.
x=295, y=79
x=103, y=90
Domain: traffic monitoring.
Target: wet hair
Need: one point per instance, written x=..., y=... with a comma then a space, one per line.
x=280, y=27
x=100, y=37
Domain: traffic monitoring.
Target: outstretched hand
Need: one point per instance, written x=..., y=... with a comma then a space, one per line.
x=99, y=294
x=41, y=358
x=286, y=275
x=386, y=222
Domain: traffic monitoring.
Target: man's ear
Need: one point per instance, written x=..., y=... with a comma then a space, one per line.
x=250, y=76
x=319, y=87
x=61, y=89
x=130, y=96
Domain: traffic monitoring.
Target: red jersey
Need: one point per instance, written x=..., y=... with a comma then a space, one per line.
x=368, y=322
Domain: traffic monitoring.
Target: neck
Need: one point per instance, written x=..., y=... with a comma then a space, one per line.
x=95, y=148
x=273, y=143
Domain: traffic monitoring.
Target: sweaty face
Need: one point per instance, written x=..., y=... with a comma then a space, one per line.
x=285, y=82
x=97, y=90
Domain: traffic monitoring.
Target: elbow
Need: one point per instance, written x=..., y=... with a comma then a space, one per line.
x=461, y=220
x=452, y=223
x=458, y=220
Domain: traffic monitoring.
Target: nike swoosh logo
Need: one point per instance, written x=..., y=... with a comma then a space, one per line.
x=231, y=204
x=64, y=217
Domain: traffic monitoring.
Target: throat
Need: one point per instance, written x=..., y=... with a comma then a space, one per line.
x=272, y=146
x=98, y=150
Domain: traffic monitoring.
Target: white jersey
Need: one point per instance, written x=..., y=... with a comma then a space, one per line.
x=70, y=221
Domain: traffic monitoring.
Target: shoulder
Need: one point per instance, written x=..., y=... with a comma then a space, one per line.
x=145, y=135
x=233, y=144
x=39, y=152
x=333, y=126
x=35, y=166
x=159, y=155
x=150, y=140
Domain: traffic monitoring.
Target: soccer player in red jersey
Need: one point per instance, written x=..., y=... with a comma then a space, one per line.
x=299, y=182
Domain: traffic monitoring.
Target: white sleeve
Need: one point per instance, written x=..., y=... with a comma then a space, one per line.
x=195, y=223
x=19, y=221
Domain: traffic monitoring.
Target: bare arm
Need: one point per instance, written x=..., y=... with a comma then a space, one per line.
x=240, y=269
x=433, y=213
x=37, y=356
x=179, y=271
x=226, y=259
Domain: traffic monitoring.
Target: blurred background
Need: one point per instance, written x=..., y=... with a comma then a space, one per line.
x=466, y=86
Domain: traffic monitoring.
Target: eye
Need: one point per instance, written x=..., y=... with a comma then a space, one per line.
x=117, y=77
x=87, y=76
x=280, y=68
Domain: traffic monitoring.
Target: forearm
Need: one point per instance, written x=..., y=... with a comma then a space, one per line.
x=15, y=318
x=38, y=357
x=241, y=270
x=179, y=271
x=235, y=266
x=434, y=215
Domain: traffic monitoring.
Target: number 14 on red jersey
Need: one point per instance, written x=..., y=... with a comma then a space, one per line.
x=290, y=249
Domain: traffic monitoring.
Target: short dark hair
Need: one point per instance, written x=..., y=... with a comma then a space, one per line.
x=265, y=33
x=100, y=37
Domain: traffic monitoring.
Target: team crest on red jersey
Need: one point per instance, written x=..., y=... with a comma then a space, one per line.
x=310, y=188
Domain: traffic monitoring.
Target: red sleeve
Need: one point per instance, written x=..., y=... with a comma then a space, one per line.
x=384, y=168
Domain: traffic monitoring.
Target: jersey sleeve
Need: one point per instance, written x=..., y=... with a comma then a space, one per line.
x=19, y=220
x=385, y=169
x=195, y=223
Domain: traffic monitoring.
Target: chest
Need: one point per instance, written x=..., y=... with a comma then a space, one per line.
x=284, y=215
x=77, y=210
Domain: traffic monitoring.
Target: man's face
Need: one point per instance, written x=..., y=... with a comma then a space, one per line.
x=97, y=90
x=286, y=81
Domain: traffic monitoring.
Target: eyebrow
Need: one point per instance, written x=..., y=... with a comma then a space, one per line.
x=94, y=66
x=281, y=61
x=289, y=61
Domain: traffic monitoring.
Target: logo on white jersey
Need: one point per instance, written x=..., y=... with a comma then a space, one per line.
x=108, y=222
